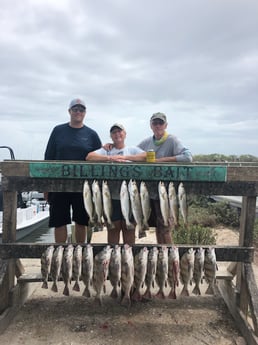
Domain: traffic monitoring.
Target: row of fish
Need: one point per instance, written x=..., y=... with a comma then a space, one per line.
x=127, y=272
x=134, y=202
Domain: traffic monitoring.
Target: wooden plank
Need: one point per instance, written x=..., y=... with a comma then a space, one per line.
x=252, y=293
x=227, y=291
x=28, y=250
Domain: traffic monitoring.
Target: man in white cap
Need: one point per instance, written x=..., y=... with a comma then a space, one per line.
x=118, y=152
x=167, y=148
x=70, y=141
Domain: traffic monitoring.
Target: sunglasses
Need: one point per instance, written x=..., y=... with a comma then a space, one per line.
x=80, y=109
x=157, y=122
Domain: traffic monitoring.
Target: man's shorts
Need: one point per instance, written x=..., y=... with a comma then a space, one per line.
x=60, y=209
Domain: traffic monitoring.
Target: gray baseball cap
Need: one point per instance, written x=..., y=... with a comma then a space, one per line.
x=159, y=116
x=77, y=101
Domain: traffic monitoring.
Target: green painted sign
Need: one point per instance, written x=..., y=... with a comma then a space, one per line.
x=127, y=171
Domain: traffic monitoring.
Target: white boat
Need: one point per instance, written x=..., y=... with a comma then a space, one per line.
x=30, y=218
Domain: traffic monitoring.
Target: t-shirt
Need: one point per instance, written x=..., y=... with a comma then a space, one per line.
x=68, y=143
x=125, y=151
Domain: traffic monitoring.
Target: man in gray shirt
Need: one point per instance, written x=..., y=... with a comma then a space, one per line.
x=167, y=148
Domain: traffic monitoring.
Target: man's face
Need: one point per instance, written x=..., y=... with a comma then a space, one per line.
x=158, y=127
x=118, y=135
x=77, y=113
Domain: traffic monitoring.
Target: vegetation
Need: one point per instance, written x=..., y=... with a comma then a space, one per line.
x=217, y=157
x=204, y=216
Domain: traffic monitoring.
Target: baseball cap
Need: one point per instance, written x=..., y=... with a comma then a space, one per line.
x=117, y=125
x=159, y=116
x=77, y=101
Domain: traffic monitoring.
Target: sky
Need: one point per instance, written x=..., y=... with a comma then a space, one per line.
x=196, y=61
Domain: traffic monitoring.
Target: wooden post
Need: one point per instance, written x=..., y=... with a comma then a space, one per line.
x=245, y=239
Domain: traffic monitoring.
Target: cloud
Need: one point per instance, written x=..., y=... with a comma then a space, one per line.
x=194, y=60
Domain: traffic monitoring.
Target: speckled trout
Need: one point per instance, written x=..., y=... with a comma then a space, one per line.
x=46, y=259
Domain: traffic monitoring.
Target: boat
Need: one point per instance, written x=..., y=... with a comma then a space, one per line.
x=29, y=218
x=32, y=210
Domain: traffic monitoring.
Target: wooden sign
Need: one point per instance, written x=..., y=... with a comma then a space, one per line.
x=127, y=171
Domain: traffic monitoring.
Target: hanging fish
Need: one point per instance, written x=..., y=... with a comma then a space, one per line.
x=151, y=272
x=173, y=203
x=115, y=270
x=107, y=203
x=173, y=270
x=164, y=205
x=136, y=207
x=186, y=270
x=46, y=259
x=182, y=202
x=198, y=270
x=67, y=268
x=77, y=266
x=210, y=268
x=97, y=200
x=56, y=266
x=88, y=204
x=140, y=269
x=125, y=205
x=87, y=269
x=145, y=202
x=162, y=271
x=127, y=274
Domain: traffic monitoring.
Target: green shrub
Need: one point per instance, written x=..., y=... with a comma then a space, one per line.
x=194, y=234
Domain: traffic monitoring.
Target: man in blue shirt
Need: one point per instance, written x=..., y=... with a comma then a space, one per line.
x=70, y=141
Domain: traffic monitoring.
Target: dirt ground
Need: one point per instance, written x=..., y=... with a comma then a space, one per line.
x=51, y=318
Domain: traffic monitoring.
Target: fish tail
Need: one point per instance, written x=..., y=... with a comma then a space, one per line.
x=54, y=287
x=76, y=286
x=126, y=301
x=196, y=290
x=66, y=291
x=160, y=294
x=98, y=300
x=86, y=292
x=210, y=290
x=147, y=294
x=44, y=285
x=185, y=291
x=142, y=233
x=172, y=294
x=136, y=296
x=114, y=293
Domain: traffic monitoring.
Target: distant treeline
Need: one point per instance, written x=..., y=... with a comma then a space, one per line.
x=216, y=157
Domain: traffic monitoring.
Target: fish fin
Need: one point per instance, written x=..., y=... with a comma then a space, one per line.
x=76, y=286
x=147, y=294
x=54, y=287
x=44, y=285
x=210, y=290
x=114, y=293
x=172, y=294
x=196, y=290
x=86, y=293
x=126, y=302
x=66, y=291
x=160, y=294
x=185, y=292
x=142, y=234
x=136, y=296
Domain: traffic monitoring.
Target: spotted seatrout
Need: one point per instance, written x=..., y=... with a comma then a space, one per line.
x=173, y=203
x=210, y=268
x=145, y=202
x=125, y=205
x=87, y=269
x=164, y=204
x=127, y=274
x=140, y=269
x=97, y=200
x=77, y=267
x=182, y=202
x=151, y=272
x=100, y=272
x=67, y=268
x=162, y=271
x=56, y=266
x=136, y=207
x=198, y=270
x=173, y=270
x=88, y=203
x=107, y=203
x=115, y=270
x=186, y=270
x=46, y=259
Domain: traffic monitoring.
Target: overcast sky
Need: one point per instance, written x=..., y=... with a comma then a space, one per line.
x=195, y=60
